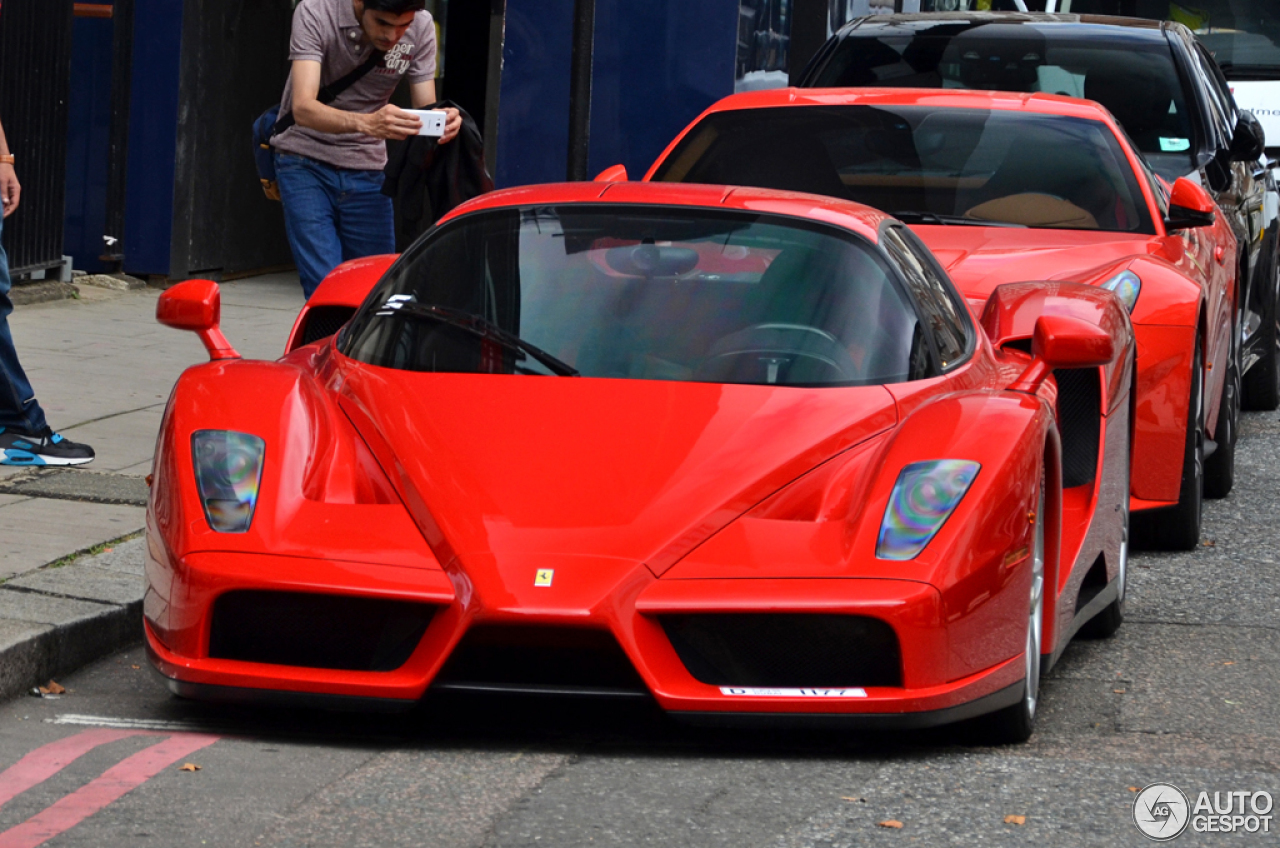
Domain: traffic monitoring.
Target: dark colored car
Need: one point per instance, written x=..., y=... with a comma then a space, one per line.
x=1157, y=80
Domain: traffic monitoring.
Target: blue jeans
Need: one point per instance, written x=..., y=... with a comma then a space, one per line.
x=18, y=406
x=332, y=215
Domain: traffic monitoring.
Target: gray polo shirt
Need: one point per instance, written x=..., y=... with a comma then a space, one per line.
x=327, y=31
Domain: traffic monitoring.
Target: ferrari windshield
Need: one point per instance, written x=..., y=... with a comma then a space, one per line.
x=1132, y=75
x=925, y=165
x=643, y=293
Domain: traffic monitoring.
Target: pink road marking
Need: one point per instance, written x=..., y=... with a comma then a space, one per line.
x=43, y=763
x=130, y=773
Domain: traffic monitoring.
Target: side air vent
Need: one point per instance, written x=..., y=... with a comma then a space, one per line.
x=317, y=631
x=1095, y=580
x=786, y=650
x=548, y=660
x=1080, y=422
x=324, y=321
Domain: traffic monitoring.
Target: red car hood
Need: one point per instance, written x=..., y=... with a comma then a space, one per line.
x=542, y=469
x=980, y=258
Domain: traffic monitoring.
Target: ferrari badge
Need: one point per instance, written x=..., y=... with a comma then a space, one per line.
x=543, y=577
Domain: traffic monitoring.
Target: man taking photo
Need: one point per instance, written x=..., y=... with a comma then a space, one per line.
x=329, y=163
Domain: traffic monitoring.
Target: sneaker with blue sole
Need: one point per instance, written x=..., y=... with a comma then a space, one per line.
x=18, y=447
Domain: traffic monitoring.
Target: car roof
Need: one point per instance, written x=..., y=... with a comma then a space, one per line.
x=1100, y=25
x=936, y=98
x=846, y=214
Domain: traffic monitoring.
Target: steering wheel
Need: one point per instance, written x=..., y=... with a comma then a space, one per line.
x=778, y=354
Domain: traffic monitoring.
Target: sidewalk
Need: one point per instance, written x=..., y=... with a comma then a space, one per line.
x=102, y=368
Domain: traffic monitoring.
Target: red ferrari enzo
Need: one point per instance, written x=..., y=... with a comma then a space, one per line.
x=1006, y=187
x=744, y=452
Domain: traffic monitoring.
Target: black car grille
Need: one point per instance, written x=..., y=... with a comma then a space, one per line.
x=786, y=650
x=317, y=631
x=324, y=321
x=520, y=658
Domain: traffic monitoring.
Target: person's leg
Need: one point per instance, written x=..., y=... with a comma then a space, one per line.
x=25, y=437
x=366, y=220
x=308, y=190
x=18, y=406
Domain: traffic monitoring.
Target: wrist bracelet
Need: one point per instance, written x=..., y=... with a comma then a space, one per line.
x=6, y=158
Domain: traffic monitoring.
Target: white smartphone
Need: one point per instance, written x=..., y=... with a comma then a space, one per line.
x=432, y=121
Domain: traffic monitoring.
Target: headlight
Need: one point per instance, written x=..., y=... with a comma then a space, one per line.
x=924, y=496
x=228, y=476
x=1127, y=286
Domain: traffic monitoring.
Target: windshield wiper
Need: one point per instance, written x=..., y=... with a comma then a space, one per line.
x=911, y=216
x=477, y=326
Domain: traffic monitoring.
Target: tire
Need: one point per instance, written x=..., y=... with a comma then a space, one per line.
x=1260, y=388
x=1177, y=528
x=1220, y=466
x=1014, y=724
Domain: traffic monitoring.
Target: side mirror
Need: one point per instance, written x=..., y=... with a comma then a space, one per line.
x=1060, y=341
x=196, y=305
x=1189, y=206
x=616, y=174
x=1249, y=140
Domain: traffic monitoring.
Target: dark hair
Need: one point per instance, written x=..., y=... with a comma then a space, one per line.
x=395, y=7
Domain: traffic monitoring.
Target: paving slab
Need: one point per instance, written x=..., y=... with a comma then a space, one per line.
x=41, y=530
x=80, y=581
x=78, y=485
x=122, y=558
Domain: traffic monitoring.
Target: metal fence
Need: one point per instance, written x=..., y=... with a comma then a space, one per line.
x=35, y=79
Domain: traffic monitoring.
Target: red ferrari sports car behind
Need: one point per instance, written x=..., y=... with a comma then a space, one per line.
x=1006, y=187
x=744, y=452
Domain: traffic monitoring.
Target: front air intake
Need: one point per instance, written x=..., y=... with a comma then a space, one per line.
x=324, y=321
x=317, y=631
x=786, y=650
x=549, y=660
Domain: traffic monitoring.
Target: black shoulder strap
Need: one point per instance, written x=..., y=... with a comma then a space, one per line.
x=330, y=92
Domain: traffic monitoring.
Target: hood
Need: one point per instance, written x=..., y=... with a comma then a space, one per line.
x=523, y=469
x=980, y=258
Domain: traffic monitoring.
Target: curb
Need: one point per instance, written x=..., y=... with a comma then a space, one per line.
x=44, y=291
x=57, y=619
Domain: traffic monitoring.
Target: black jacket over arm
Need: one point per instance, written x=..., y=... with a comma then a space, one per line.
x=426, y=179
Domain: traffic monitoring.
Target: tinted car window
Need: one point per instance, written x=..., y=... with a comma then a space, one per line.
x=1135, y=78
x=943, y=314
x=640, y=293
x=1219, y=98
x=925, y=164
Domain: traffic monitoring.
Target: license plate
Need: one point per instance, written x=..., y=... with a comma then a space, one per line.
x=792, y=693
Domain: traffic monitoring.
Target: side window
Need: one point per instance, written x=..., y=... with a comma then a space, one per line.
x=1219, y=104
x=1218, y=83
x=946, y=317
